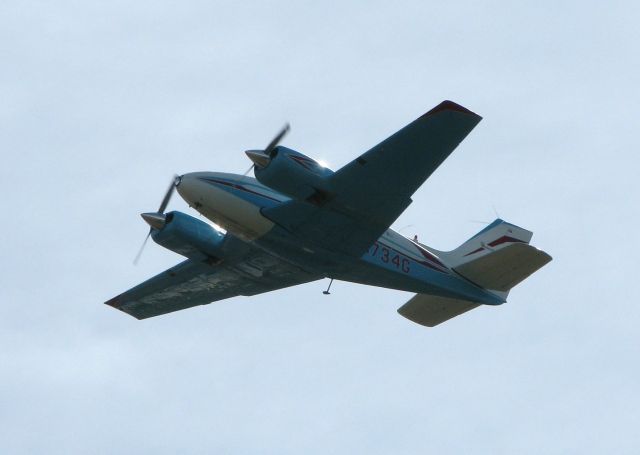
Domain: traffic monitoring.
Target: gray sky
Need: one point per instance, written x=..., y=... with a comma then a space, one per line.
x=103, y=101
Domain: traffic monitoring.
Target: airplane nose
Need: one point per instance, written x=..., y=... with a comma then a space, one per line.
x=187, y=187
x=182, y=182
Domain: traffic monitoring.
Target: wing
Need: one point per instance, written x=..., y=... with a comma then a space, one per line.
x=368, y=194
x=197, y=283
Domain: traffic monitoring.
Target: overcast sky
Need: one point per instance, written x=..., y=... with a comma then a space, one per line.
x=102, y=102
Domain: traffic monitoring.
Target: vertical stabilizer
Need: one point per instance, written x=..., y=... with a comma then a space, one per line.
x=497, y=258
x=495, y=236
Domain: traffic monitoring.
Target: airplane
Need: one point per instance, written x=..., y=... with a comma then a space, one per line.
x=298, y=221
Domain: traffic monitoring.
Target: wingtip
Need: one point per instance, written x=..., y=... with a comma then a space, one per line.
x=112, y=302
x=448, y=105
x=117, y=304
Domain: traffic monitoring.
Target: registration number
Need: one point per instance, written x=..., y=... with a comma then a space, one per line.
x=389, y=256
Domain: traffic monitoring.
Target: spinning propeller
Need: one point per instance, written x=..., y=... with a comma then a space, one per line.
x=157, y=220
x=261, y=158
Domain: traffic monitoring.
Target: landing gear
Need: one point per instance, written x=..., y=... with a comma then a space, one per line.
x=327, y=291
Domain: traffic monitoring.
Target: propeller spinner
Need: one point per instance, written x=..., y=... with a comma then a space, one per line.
x=157, y=220
x=262, y=158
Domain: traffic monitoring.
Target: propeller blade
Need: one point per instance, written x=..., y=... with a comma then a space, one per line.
x=135, y=261
x=244, y=176
x=157, y=220
x=167, y=196
x=248, y=170
x=276, y=140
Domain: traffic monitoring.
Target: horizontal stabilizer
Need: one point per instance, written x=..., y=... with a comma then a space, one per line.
x=502, y=269
x=431, y=310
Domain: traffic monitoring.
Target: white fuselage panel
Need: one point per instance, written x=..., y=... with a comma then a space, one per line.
x=231, y=212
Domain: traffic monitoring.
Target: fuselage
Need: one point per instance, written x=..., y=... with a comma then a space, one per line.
x=235, y=203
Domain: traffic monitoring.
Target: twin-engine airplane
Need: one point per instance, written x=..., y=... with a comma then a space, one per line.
x=298, y=221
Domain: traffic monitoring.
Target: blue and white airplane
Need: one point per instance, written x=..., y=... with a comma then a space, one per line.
x=298, y=221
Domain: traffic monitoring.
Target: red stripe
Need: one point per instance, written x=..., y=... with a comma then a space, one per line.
x=500, y=241
x=429, y=256
x=239, y=187
x=425, y=263
x=304, y=162
x=504, y=239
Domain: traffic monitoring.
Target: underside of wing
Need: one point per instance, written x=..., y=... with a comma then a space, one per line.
x=197, y=283
x=395, y=168
x=368, y=194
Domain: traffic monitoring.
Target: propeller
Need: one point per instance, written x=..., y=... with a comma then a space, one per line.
x=157, y=220
x=276, y=140
x=261, y=158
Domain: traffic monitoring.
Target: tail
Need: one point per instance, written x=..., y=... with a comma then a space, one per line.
x=496, y=259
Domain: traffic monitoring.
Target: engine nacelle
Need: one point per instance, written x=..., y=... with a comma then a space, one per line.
x=294, y=174
x=190, y=237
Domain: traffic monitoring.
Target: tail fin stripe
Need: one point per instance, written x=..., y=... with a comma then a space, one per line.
x=500, y=241
x=474, y=251
x=504, y=239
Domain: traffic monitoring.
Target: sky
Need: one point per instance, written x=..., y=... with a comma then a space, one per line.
x=102, y=102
